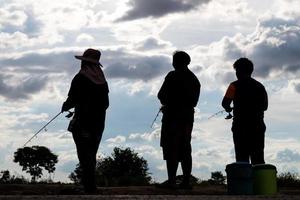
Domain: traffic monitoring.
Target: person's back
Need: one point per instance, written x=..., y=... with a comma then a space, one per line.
x=90, y=101
x=250, y=100
x=179, y=95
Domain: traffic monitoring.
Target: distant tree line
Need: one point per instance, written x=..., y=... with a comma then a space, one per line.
x=123, y=168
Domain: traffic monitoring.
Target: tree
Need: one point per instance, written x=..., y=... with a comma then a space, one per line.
x=33, y=159
x=76, y=175
x=124, y=167
x=217, y=178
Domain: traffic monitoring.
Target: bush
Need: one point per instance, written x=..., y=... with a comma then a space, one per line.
x=123, y=168
x=6, y=178
x=288, y=179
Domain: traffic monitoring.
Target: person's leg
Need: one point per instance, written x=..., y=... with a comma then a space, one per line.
x=186, y=156
x=84, y=146
x=172, y=166
x=81, y=147
x=169, y=147
x=186, y=165
x=257, y=150
x=240, y=143
x=241, y=152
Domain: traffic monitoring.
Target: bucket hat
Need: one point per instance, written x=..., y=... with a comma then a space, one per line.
x=90, y=55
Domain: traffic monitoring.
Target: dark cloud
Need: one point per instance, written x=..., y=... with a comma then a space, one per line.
x=274, y=47
x=287, y=156
x=37, y=68
x=136, y=67
x=118, y=64
x=158, y=8
x=36, y=62
x=21, y=89
x=292, y=68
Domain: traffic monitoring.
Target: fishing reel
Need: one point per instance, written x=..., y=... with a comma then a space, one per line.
x=229, y=116
x=70, y=114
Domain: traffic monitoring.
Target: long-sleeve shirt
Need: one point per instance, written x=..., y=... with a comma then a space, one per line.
x=89, y=99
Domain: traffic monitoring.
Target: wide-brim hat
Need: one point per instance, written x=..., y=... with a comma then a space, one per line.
x=91, y=55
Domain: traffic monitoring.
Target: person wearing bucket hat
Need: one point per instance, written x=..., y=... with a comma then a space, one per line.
x=88, y=94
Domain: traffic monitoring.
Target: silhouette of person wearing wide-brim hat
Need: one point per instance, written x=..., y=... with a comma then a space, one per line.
x=88, y=94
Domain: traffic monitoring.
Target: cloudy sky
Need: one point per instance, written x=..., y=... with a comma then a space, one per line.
x=38, y=41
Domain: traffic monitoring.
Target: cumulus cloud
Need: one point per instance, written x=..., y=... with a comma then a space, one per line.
x=288, y=155
x=152, y=43
x=157, y=8
x=145, y=136
x=273, y=47
x=84, y=38
x=297, y=87
x=118, y=139
x=12, y=17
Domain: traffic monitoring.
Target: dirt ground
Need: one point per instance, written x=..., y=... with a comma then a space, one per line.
x=150, y=197
x=70, y=192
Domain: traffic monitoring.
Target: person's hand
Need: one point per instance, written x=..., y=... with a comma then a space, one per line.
x=228, y=109
x=64, y=107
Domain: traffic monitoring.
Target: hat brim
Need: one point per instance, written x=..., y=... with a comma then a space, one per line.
x=89, y=60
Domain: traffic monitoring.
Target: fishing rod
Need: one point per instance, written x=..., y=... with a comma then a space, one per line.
x=229, y=116
x=42, y=128
x=156, y=117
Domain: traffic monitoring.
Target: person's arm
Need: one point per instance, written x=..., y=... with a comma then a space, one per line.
x=197, y=93
x=106, y=98
x=265, y=100
x=228, y=98
x=162, y=94
x=72, y=95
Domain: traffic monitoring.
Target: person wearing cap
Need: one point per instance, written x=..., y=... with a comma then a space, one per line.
x=88, y=94
x=250, y=100
x=178, y=95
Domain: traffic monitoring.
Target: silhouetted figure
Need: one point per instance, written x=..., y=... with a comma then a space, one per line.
x=250, y=100
x=178, y=95
x=89, y=95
